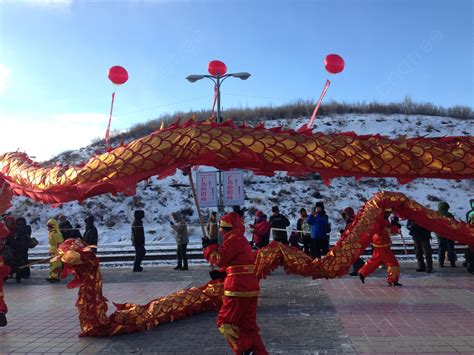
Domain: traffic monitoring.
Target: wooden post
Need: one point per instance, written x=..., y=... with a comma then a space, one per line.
x=403, y=241
x=191, y=182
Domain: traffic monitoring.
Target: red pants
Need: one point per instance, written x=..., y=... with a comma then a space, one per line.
x=4, y=272
x=382, y=256
x=237, y=321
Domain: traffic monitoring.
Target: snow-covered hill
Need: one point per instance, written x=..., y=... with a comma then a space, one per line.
x=161, y=197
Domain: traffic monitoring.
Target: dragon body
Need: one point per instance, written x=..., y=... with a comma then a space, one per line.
x=129, y=317
x=226, y=146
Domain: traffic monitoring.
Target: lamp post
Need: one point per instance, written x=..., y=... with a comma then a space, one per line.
x=217, y=74
x=217, y=71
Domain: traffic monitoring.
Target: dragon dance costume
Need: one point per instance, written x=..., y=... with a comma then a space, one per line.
x=382, y=254
x=237, y=318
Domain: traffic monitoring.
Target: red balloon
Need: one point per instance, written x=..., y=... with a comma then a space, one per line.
x=118, y=75
x=216, y=68
x=334, y=63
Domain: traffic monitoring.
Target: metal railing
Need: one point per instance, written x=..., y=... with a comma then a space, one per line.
x=118, y=252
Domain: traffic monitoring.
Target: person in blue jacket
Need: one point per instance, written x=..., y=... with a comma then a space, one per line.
x=319, y=222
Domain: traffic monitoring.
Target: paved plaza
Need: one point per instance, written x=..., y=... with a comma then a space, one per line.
x=431, y=313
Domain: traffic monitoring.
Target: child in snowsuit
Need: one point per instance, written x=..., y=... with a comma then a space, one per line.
x=55, y=239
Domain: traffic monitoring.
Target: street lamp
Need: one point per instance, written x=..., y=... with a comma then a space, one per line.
x=217, y=71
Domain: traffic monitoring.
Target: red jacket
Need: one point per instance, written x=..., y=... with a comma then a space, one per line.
x=260, y=231
x=4, y=234
x=238, y=259
x=382, y=239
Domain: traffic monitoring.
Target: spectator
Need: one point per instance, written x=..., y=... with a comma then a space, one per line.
x=31, y=244
x=469, y=256
x=212, y=228
x=319, y=222
x=279, y=221
x=65, y=227
x=421, y=238
x=180, y=229
x=239, y=211
x=348, y=216
x=470, y=213
x=138, y=240
x=305, y=234
x=4, y=272
x=20, y=244
x=382, y=254
x=76, y=232
x=261, y=230
x=445, y=245
x=91, y=236
x=55, y=239
x=4, y=235
x=10, y=224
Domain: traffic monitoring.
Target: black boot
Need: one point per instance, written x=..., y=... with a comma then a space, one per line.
x=177, y=268
x=3, y=319
x=362, y=278
x=185, y=264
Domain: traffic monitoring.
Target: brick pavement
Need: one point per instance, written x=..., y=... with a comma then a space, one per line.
x=430, y=313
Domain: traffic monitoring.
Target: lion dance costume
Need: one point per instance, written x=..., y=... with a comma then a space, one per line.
x=237, y=318
x=382, y=254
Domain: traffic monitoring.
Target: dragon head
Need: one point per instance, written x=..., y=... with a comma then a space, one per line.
x=74, y=253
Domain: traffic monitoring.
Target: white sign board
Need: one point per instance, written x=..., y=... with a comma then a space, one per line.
x=233, y=183
x=206, y=184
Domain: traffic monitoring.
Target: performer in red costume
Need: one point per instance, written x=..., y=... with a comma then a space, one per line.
x=4, y=272
x=237, y=318
x=382, y=254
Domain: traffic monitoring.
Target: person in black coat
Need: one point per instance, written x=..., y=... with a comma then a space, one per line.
x=279, y=221
x=421, y=238
x=20, y=245
x=76, y=232
x=138, y=239
x=305, y=234
x=65, y=227
x=91, y=237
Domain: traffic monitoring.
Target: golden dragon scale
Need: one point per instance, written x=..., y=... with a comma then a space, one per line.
x=131, y=317
x=226, y=146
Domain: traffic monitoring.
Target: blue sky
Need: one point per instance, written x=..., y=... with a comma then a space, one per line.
x=54, y=56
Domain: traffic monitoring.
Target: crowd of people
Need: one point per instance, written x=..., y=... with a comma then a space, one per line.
x=15, y=247
x=312, y=235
